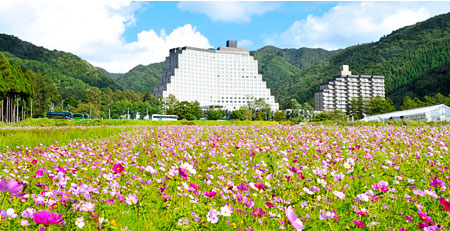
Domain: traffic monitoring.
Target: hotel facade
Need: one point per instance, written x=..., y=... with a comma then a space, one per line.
x=225, y=78
x=337, y=93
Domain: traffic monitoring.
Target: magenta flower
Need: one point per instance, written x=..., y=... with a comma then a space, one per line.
x=360, y=224
x=424, y=216
x=437, y=182
x=336, y=216
x=183, y=173
x=210, y=194
x=12, y=187
x=118, y=168
x=268, y=204
x=381, y=185
x=47, y=218
x=297, y=223
x=445, y=203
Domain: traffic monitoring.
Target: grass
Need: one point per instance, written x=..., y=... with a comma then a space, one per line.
x=16, y=138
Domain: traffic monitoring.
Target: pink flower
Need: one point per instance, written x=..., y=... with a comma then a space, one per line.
x=359, y=224
x=445, y=203
x=118, y=168
x=12, y=187
x=437, y=182
x=268, y=204
x=297, y=223
x=183, y=173
x=47, y=218
x=424, y=216
x=210, y=194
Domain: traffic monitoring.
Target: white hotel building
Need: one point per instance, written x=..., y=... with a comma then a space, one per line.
x=337, y=93
x=226, y=78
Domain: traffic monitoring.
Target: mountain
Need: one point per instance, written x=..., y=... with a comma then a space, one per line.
x=141, y=78
x=70, y=73
x=404, y=56
x=277, y=64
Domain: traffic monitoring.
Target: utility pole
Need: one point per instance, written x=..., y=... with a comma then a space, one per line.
x=62, y=108
x=90, y=113
x=31, y=115
x=109, y=113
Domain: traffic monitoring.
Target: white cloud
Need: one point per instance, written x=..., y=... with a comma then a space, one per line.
x=151, y=47
x=245, y=43
x=93, y=30
x=229, y=11
x=354, y=23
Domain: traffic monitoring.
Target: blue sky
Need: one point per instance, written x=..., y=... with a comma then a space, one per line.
x=120, y=34
x=166, y=15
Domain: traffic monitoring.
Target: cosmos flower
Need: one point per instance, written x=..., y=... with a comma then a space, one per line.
x=225, y=211
x=12, y=187
x=47, y=218
x=118, y=168
x=131, y=199
x=9, y=213
x=297, y=223
x=212, y=216
x=445, y=203
x=359, y=223
x=80, y=222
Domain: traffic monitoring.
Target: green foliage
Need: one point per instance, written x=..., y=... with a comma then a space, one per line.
x=330, y=116
x=277, y=64
x=237, y=115
x=141, y=78
x=71, y=74
x=279, y=116
x=214, y=114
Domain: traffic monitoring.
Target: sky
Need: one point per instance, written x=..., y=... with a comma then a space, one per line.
x=118, y=35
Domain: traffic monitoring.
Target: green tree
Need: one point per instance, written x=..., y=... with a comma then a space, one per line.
x=379, y=105
x=214, y=114
x=280, y=116
x=237, y=115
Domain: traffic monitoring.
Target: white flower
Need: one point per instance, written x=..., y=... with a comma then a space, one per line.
x=308, y=191
x=151, y=170
x=24, y=223
x=322, y=182
x=340, y=195
x=9, y=213
x=225, y=211
x=347, y=165
x=88, y=207
x=80, y=222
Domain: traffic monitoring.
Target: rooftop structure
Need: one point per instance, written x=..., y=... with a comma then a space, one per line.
x=337, y=93
x=439, y=112
x=226, y=78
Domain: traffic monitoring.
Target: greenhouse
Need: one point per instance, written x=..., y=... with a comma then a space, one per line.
x=439, y=112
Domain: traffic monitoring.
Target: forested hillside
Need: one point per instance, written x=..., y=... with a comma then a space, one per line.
x=277, y=64
x=141, y=78
x=70, y=73
x=402, y=57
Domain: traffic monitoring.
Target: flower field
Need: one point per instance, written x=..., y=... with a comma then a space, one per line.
x=313, y=177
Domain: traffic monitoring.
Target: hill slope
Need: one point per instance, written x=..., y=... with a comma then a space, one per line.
x=64, y=69
x=141, y=78
x=401, y=57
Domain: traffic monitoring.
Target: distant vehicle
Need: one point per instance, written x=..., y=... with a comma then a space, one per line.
x=59, y=115
x=86, y=116
x=157, y=117
x=78, y=116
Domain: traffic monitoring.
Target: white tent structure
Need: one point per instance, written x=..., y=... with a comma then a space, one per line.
x=439, y=112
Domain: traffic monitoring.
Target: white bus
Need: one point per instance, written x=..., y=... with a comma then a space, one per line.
x=157, y=117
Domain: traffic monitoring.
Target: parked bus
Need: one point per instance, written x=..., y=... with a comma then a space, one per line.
x=86, y=116
x=59, y=115
x=157, y=117
x=78, y=116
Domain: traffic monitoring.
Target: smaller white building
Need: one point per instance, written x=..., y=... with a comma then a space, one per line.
x=439, y=112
